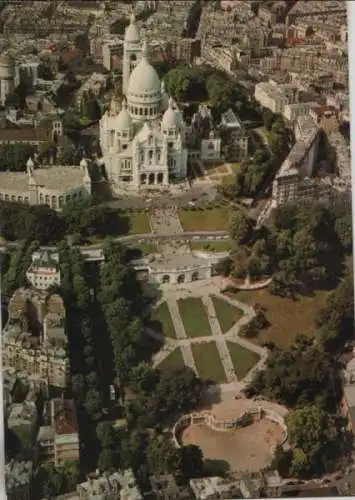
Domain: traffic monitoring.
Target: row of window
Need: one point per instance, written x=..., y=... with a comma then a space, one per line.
x=138, y=111
x=53, y=201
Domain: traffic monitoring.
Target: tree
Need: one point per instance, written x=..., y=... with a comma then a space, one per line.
x=106, y=434
x=92, y=109
x=268, y=118
x=78, y=387
x=14, y=156
x=68, y=155
x=336, y=319
x=162, y=456
x=144, y=378
x=343, y=229
x=106, y=460
x=42, y=223
x=240, y=227
x=178, y=391
x=93, y=404
x=304, y=375
x=316, y=437
x=191, y=461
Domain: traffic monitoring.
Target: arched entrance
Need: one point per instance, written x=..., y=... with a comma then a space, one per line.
x=151, y=179
x=166, y=279
x=144, y=179
x=160, y=178
x=181, y=278
x=195, y=276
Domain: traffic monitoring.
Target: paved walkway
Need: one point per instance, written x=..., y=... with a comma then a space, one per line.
x=167, y=221
x=203, y=289
x=181, y=335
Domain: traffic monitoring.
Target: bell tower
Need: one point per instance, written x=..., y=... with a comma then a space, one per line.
x=131, y=51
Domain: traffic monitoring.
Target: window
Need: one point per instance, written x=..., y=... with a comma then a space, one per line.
x=150, y=156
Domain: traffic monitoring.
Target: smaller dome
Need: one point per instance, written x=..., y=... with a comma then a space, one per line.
x=124, y=120
x=132, y=33
x=170, y=117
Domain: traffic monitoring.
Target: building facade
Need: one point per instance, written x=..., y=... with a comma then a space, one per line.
x=34, y=339
x=53, y=186
x=7, y=75
x=44, y=270
x=59, y=440
x=143, y=143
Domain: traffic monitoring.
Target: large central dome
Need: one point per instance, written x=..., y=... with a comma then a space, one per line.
x=144, y=79
x=144, y=90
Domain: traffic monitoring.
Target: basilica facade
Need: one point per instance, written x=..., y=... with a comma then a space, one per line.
x=143, y=139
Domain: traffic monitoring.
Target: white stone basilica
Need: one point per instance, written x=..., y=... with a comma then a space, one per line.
x=143, y=144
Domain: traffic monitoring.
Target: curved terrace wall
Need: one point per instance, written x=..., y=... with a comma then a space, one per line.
x=225, y=425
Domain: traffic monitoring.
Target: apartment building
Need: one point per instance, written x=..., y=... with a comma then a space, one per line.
x=121, y=485
x=236, y=137
x=211, y=488
x=58, y=441
x=275, y=97
x=185, y=49
x=112, y=54
x=44, y=270
x=34, y=339
x=295, y=181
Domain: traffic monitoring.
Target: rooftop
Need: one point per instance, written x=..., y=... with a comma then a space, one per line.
x=64, y=416
x=52, y=178
x=17, y=474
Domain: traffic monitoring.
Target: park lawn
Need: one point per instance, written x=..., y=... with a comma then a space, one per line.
x=287, y=317
x=213, y=246
x=138, y=222
x=174, y=361
x=194, y=317
x=161, y=321
x=215, y=219
x=243, y=359
x=227, y=314
x=208, y=362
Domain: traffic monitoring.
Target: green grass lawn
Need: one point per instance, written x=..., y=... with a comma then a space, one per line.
x=287, y=317
x=216, y=219
x=138, y=222
x=173, y=362
x=243, y=359
x=208, y=362
x=213, y=246
x=161, y=321
x=227, y=314
x=194, y=317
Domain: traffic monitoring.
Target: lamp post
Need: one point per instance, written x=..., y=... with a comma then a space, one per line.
x=2, y=409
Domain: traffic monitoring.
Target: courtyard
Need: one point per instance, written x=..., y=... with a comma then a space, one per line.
x=244, y=449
